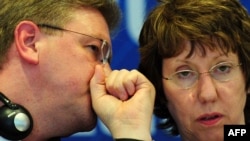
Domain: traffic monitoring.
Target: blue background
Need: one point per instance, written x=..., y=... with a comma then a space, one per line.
x=126, y=55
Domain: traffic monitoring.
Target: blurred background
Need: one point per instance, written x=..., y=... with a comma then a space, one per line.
x=126, y=55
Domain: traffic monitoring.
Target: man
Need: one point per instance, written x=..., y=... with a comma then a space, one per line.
x=54, y=62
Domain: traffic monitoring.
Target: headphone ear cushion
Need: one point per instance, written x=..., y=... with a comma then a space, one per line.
x=15, y=123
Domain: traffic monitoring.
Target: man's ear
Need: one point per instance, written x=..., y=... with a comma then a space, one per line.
x=26, y=35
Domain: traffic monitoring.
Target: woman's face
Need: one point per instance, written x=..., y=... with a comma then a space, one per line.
x=202, y=106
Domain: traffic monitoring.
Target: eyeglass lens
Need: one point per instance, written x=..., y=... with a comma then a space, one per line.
x=106, y=52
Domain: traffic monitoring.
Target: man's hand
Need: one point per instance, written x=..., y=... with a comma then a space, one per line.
x=124, y=101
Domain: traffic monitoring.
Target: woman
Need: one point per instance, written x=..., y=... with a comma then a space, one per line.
x=199, y=51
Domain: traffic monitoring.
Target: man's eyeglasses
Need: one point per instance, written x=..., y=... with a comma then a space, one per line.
x=105, y=52
x=221, y=72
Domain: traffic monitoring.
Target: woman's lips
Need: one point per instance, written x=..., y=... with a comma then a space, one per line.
x=209, y=119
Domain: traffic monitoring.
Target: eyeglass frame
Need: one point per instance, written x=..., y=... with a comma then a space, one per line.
x=170, y=77
x=104, y=58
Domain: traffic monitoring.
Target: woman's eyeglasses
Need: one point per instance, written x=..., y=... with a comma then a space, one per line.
x=221, y=72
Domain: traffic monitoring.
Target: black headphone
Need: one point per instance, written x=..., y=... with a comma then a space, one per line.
x=15, y=121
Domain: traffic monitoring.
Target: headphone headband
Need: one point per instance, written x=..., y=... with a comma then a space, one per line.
x=7, y=102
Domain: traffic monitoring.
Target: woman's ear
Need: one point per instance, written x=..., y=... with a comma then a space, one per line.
x=25, y=37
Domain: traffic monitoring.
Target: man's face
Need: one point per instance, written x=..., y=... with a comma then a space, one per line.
x=67, y=62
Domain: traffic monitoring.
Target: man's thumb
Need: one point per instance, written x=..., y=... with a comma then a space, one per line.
x=97, y=83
